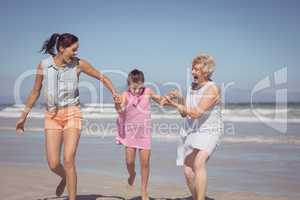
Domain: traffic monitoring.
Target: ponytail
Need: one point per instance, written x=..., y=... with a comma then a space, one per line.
x=49, y=45
x=58, y=40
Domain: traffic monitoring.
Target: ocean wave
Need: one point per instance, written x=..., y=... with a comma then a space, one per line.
x=107, y=111
x=264, y=140
x=224, y=139
x=172, y=137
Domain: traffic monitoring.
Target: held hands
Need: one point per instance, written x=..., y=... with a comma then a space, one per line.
x=175, y=94
x=117, y=98
x=181, y=108
x=118, y=103
x=169, y=98
x=163, y=101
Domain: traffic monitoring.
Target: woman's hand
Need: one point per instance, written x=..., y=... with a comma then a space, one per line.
x=168, y=100
x=117, y=98
x=119, y=101
x=181, y=108
x=174, y=94
x=32, y=98
x=163, y=101
x=20, y=125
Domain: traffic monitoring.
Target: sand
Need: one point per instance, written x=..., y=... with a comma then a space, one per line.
x=25, y=182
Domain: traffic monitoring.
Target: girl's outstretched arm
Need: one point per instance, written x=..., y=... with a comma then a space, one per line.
x=88, y=69
x=31, y=99
x=161, y=100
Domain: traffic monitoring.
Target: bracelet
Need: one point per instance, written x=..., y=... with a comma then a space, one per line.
x=27, y=109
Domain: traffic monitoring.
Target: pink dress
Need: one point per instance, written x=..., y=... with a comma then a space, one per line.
x=134, y=123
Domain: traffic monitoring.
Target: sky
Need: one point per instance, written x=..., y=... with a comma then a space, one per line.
x=250, y=40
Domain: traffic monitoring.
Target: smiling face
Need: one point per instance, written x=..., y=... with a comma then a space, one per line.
x=202, y=68
x=197, y=75
x=69, y=52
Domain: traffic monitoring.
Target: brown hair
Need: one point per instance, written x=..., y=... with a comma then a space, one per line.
x=56, y=40
x=135, y=76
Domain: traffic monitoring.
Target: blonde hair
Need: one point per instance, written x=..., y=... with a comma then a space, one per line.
x=206, y=63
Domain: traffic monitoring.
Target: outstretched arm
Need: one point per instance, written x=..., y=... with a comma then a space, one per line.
x=210, y=97
x=179, y=99
x=31, y=99
x=175, y=94
x=88, y=69
x=161, y=100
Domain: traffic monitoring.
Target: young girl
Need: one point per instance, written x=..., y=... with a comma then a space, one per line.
x=134, y=126
x=60, y=74
x=203, y=124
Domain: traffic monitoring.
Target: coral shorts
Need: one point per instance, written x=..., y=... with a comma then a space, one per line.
x=64, y=118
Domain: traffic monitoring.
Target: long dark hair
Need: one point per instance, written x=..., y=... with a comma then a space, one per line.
x=58, y=40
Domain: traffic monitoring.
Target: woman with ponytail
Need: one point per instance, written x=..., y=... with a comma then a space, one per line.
x=59, y=73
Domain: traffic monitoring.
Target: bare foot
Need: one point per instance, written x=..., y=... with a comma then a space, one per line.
x=131, y=179
x=145, y=196
x=61, y=187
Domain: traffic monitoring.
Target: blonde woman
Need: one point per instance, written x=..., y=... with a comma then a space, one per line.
x=202, y=128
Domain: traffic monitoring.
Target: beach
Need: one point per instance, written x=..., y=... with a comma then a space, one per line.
x=263, y=172
x=253, y=162
x=231, y=67
x=37, y=183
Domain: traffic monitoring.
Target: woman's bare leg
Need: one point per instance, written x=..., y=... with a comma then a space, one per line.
x=53, y=142
x=71, y=139
x=199, y=167
x=189, y=173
